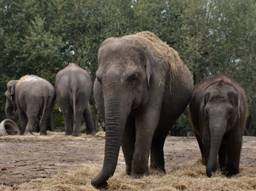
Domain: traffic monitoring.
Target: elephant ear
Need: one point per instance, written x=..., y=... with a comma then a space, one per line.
x=11, y=88
x=149, y=59
x=7, y=94
x=204, y=102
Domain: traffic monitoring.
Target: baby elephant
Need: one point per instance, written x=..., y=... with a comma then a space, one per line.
x=31, y=98
x=73, y=90
x=218, y=112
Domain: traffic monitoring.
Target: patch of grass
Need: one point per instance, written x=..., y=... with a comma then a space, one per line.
x=56, y=136
x=189, y=178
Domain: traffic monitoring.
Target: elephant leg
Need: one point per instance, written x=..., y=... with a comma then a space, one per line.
x=32, y=123
x=68, y=122
x=49, y=123
x=157, y=147
x=233, y=153
x=146, y=124
x=90, y=126
x=201, y=147
x=37, y=128
x=44, y=122
x=206, y=144
x=128, y=143
x=23, y=121
x=222, y=157
x=77, y=123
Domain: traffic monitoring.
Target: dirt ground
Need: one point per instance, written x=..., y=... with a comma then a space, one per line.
x=26, y=159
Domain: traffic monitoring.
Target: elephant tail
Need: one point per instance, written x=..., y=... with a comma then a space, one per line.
x=45, y=101
x=74, y=105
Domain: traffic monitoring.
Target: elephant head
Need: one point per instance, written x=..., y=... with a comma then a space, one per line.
x=220, y=109
x=10, y=105
x=123, y=78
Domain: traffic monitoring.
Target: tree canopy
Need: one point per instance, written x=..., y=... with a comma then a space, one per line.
x=40, y=37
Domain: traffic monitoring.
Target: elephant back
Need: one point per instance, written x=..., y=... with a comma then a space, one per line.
x=179, y=73
x=8, y=127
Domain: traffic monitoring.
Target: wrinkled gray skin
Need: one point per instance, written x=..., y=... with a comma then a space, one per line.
x=218, y=113
x=31, y=99
x=133, y=94
x=73, y=90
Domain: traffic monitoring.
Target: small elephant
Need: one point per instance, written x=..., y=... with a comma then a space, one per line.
x=31, y=99
x=142, y=87
x=73, y=90
x=218, y=111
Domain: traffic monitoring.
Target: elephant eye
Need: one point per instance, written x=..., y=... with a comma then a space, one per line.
x=132, y=77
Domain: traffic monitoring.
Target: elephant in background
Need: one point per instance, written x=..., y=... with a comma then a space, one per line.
x=31, y=99
x=141, y=88
x=218, y=112
x=73, y=90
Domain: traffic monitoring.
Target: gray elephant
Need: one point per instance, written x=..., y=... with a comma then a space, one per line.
x=73, y=90
x=218, y=111
x=142, y=87
x=31, y=99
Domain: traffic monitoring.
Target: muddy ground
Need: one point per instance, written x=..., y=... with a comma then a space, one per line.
x=24, y=158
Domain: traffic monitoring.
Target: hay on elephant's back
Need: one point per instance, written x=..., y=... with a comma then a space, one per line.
x=163, y=52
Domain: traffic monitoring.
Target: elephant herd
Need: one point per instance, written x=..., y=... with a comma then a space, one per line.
x=142, y=86
x=31, y=99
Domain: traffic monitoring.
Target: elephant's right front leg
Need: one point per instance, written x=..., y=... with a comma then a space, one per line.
x=128, y=144
x=205, y=145
x=146, y=124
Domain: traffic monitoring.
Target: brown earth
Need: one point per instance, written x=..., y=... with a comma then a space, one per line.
x=58, y=162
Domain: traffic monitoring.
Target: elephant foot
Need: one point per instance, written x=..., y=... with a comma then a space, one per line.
x=231, y=172
x=158, y=170
x=68, y=133
x=43, y=133
x=128, y=170
x=76, y=134
x=139, y=173
x=28, y=133
x=90, y=132
x=223, y=168
x=136, y=176
x=209, y=173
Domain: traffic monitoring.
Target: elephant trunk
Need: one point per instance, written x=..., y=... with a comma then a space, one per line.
x=8, y=109
x=114, y=127
x=216, y=135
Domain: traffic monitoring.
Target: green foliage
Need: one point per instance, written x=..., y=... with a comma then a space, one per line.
x=40, y=37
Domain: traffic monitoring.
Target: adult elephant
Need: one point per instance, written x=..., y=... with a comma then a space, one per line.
x=73, y=90
x=142, y=87
x=218, y=111
x=31, y=99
